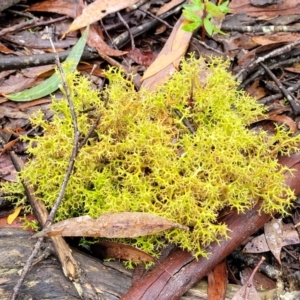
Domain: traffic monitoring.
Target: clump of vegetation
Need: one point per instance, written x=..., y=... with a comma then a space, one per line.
x=143, y=158
x=200, y=13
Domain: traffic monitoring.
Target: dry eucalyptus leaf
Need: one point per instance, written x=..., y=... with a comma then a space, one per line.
x=274, y=237
x=107, y=249
x=246, y=292
x=260, y=281
x=98, y=10
x=115, y=225
x=168, y=59
x=259, y=244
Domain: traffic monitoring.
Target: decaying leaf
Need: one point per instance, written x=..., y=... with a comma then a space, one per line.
x=107, y=249
x=168, y=6
x=169, y=57
x=273, y=232
x=260, y=281
x=259, y=244
x=115, y=225
x=98, y=10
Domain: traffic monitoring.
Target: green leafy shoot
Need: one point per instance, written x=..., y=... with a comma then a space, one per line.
x=51, y=84
x=200, y=13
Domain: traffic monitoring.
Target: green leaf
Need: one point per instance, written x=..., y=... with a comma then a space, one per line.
x=191, y=27
x=196, y=5
x=197, y=2
x=192, y=7
x=214, y=10
x=191, y=16
x=52, y=83
x=218, y=30
x=224, y=7
x=209, y=27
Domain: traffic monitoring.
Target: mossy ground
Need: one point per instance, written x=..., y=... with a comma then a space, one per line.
x=143, y=158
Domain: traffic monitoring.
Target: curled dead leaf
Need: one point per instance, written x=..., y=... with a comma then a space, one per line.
x=107, y=249
x=114, y=225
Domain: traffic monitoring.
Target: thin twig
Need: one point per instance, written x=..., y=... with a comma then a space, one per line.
x=261, y=28
x=292, y=100
x=185, y=121
x=136, y=5
x=155, y=17
x=48, y=22
x=266, y=100
x=128, y=29
x=18, y=26
x=27, y=61
x=241, y=75
x=249, y=282
x=90, y=132
x=21, y=13
x=260, y=71
x=122, y=39
x=27, y=267
x=75, y=142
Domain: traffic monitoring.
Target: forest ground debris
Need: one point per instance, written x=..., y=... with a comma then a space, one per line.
x=143, y=158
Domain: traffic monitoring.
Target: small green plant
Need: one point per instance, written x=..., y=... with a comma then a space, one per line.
x=143, y=158
x=28, y=224
x=200, y=13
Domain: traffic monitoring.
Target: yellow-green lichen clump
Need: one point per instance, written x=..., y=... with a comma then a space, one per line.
x=144, y=159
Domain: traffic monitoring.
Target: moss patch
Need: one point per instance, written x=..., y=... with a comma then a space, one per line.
x=143, y=158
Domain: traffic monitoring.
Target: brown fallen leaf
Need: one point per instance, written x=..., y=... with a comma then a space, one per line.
x=63, y=7
x=144, y=58
x=163, y=61
x=291, y=161
x=285, y=120
x=107, y=249
x=74, y=9
x=95, y=41
x=259, y=244
x=273, y=232
x=168, y=59
x=8, y=146
x=168, y=6
x=260, y=281
x=98, y=10
x=115, y=225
